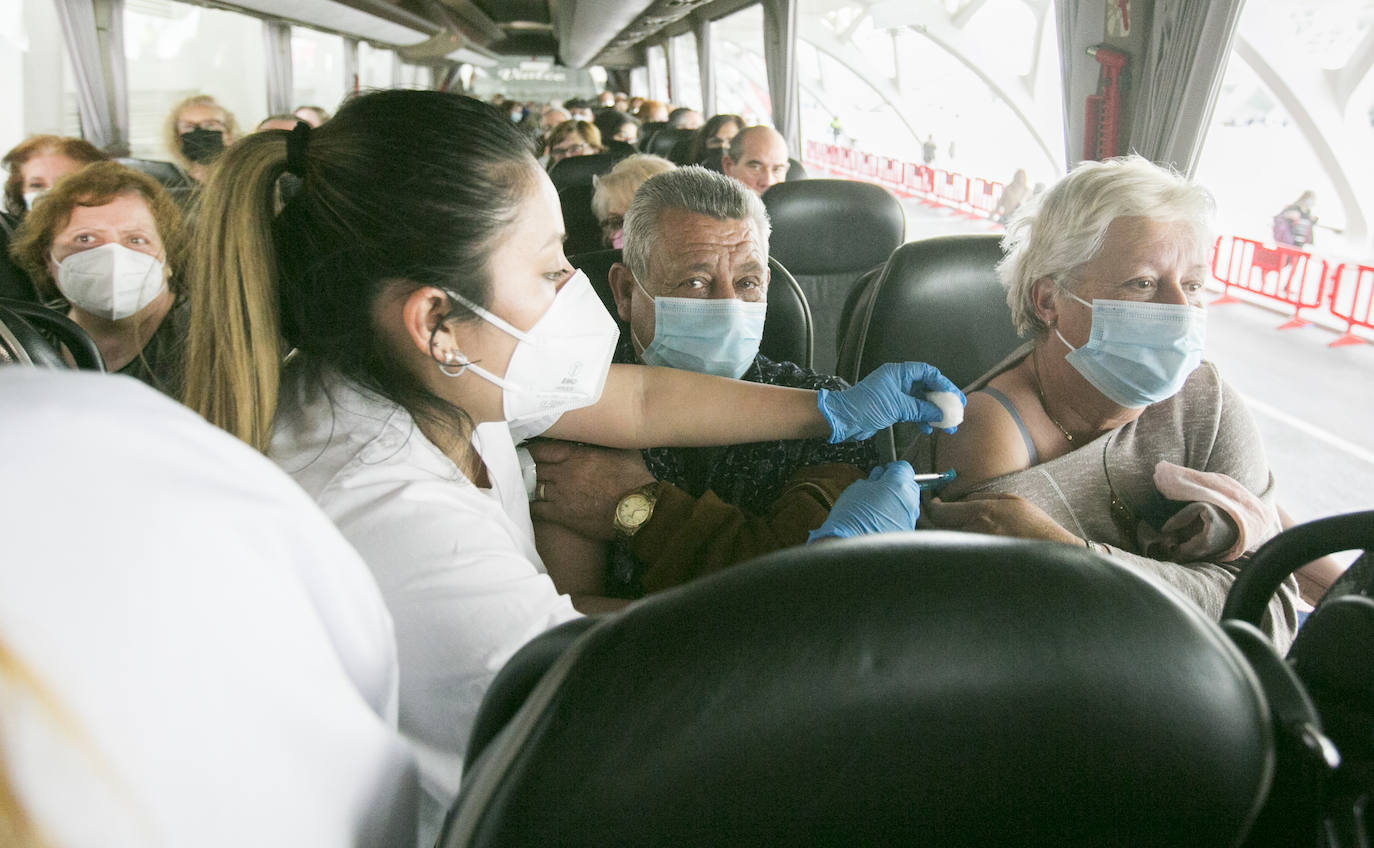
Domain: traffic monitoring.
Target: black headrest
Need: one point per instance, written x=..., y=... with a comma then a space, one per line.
x=920, y=688
x=164, y=172
x=579, y=222
x=830, y=226
x=937, y=300
x=788, y=333
x=665, y=140
x=33, y=334
x=577, y=170
x=795, y=170
x=710, y=160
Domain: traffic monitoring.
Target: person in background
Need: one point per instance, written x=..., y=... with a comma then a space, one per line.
x=580, y=109
x=1108, y=429
x=683, y=118
x=714, y=137
x=634, y=104
x=622, y=103
x=278, y=122
x=617, y=126
x=693, y=292
x=757, y=157
x=34, y=166
x=163, y=579
x=652, y=112
x=1294, y=225
x=197, y=129
x=110, y=241
x=1016, y=192
x=551, y=117
x=312, y=115
x=606, y=99
x=613, y=192
x=573, y=138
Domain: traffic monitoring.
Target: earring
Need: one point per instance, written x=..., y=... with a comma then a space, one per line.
x=451, y=358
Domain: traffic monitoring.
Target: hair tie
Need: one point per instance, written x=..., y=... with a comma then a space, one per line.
x=296, y=144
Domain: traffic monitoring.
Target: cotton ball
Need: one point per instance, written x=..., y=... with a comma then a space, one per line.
x=951, y=409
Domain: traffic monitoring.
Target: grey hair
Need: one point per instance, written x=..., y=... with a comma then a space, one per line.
x=1063, y=230
x=691, y=189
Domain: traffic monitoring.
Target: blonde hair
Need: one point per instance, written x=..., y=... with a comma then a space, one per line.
x=617, y=188
x=97, y=185
x=172, y=138
x=1065, y=227
x=586, y=129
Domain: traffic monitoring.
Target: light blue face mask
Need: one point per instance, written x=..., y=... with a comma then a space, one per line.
x=1138, y=353
x=710, y=336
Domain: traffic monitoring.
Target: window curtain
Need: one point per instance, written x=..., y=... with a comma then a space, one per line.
x=708, y=79
x=280, y=84
x=1080, y=23
x=350, y=67
x=674, y=81
x=94, y=32
x=780, y=57
x=1185, y=61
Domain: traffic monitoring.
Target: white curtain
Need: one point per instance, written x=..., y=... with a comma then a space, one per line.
x=1080, y=23
x=674, y=68
x=350, y=67
x=708, y=79
x=1189, y=45
x=780, y=57
x=94, y=32
x=280, y=82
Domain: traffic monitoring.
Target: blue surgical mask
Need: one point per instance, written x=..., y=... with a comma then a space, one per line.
x=717, y=336
x=1138, y=353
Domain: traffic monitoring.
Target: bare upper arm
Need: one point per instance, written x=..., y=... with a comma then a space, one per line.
x=988, y=444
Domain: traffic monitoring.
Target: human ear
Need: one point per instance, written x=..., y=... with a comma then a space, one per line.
x=422, y=316
x=622, y=289
x=1042, y=300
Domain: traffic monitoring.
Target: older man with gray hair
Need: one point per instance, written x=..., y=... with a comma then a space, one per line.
x=693, y=290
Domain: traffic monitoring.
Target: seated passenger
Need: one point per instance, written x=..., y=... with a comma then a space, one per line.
x=312, y=115
x=652, y=112
x=614, y=191
x=34, y=166
x=1108, y=429
x=572, y=138
x=757, y=157
x=617, y=126
x=683, y=118
x=190, y=653
x=197, y=130
x=421, y=354
x=693, y=291
x=110, y=242
x=714, y=137
x=277, y=122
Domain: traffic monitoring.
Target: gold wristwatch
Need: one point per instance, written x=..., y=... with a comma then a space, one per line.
x=634, y=509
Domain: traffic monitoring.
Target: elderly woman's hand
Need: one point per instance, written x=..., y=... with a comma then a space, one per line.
x=997, y=514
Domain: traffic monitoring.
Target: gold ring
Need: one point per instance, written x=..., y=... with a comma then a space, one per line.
x=539, y=491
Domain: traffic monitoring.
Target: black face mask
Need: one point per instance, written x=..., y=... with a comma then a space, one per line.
x=200, y=146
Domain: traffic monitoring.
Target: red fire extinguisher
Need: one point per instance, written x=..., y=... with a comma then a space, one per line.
x=1104, y=107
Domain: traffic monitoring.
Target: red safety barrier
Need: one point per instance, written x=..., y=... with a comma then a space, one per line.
x=952, y=188
x=1285, y=274
x=983, y=195
x=918, y=179
x=890, y=175
x=1351, y=300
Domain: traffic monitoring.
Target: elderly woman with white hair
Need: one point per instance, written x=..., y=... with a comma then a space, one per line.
x=1108, y=429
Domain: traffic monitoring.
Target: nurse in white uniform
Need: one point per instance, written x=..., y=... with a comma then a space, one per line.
x=190, y=653
x=419, y=275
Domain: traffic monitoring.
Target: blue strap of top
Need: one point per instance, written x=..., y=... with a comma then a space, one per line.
x=1016, y=419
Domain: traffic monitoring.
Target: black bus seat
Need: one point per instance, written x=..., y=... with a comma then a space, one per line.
x=665, y=141
x=14, y=283
x=795, y=171
x=579, y=221
x=788, y=334
x=919, y=689
x=33, y=334
x=181, y=187
x=829, y=233
x=579, y=170
x=937, y=300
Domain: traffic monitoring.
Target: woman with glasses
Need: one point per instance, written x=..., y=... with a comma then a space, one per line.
x=197, y=129
x=573, y=138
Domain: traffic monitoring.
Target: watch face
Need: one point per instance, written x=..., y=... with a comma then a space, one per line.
x=633, y=510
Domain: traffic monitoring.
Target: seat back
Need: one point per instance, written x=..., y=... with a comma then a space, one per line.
x=579, y=221
x=829, y=233
x=32, y=334
x=579, y=170
x=665, y=141
x=172, y=178
x=788, y=334
x=899, y=689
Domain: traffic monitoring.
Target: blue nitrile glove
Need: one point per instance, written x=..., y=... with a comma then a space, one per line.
x=888, y=501
x=890, y=394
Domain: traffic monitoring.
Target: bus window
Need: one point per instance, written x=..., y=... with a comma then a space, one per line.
x=687, y=82
x=175, y=50
x=317, y=69
x=375, y=65
x=741, y=77
x=40, y=96
x=658, y=73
